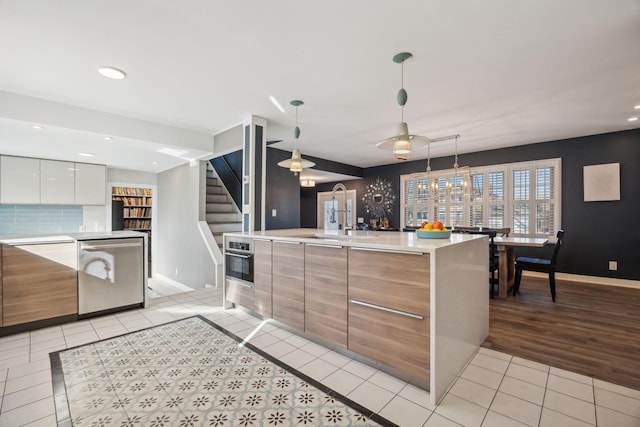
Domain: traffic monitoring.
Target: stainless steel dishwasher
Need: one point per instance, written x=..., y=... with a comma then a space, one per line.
x=110, y=274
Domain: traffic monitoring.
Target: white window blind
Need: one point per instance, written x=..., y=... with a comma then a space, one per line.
x=522, y=196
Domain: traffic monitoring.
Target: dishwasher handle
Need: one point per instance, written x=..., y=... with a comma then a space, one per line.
x=85, y=246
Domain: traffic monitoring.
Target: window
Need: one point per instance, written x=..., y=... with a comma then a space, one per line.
x=522, y=196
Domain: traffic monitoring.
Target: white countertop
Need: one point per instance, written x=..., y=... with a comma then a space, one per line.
x=389, y=240
x=66, y=238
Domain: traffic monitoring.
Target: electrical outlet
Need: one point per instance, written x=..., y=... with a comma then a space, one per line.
x=274, y=212
x=613, y=265
x=176, y=271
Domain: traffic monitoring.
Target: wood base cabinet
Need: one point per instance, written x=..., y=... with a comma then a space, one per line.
x=288, y=283
x=240, y=293
x=389, y=300
x=325, y=293
x=39, y=282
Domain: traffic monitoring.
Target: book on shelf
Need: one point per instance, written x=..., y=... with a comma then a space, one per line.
x=128, y=191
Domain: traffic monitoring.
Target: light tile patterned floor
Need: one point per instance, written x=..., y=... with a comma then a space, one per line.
x=509, y=391
x=188, y=372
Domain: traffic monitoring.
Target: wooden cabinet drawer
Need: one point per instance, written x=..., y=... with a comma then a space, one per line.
x=288, y=284
x=398, y=341
x=262, y=277
x=325, y=293
x=240, y=293
x=39, y=282
x=391, y=279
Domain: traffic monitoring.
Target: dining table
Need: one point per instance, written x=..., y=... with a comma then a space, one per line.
x=506, y=258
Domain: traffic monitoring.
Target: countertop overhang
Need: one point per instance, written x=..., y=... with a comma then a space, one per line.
x=385, y=240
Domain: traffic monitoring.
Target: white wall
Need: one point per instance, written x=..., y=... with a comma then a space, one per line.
x=182, y=255
x=126, y=175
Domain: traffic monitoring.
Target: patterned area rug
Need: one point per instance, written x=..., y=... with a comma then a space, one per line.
x=191, y=372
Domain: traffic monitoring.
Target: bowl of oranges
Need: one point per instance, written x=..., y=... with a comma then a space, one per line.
x=435, y=230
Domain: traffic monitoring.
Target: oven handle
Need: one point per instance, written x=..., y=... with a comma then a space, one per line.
x=238, y=255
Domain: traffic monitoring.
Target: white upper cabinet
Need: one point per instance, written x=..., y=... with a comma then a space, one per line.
x=91, y=184
x=19, y=180
x=57, y=182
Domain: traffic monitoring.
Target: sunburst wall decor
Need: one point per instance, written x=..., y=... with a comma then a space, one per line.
x=379, y=198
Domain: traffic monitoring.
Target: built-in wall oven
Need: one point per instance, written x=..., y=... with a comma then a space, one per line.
x=239, y=259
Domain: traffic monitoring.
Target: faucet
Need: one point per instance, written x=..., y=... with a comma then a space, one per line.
x=339, y=186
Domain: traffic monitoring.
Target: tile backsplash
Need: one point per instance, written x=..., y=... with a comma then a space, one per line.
x=39, y=219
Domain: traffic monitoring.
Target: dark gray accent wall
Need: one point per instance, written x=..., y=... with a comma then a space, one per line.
x=596, y=232
x=283, y=193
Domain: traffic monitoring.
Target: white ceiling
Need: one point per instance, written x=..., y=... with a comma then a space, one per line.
x=498, y=72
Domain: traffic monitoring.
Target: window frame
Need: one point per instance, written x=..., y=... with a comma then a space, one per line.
x=508, y=202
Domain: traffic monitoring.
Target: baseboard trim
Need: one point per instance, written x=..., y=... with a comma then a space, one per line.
x=597, y=280
x=172, y=282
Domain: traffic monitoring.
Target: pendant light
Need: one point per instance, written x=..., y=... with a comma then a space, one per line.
x=461, y=176
x=296, y=163
x=403, y=142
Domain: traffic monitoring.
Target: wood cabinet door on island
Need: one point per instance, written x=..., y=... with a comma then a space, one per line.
x=288, y=283
x=240, y=293
x=262, y=277
x=39, y=282
x=325, y=292
x=389, y=309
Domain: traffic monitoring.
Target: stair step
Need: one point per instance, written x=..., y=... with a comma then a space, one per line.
x=215, y=189
x=225, y=227
x=212, y=181
x=213, y=217
x=220, y=207
x=217, y=198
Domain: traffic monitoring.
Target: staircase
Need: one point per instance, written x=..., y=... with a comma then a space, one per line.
x=222, y=214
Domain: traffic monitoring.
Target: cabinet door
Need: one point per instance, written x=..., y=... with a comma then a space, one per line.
x=57, y=182
x=392, y=279
x=39, y=282
x=90, y=184
x=19, y=180
x=389, y=294
x=288, y=283
x=397, y=340
x=240, y=293
x=262, y=277
x=325, y=292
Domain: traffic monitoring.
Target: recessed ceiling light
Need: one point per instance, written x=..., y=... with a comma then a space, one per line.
x=112, y=72
x=107, y=138
x=275, y=102
x=632, y=119
x=37, y=127
x=86, y=154
x=637, y=107
x=155, y=163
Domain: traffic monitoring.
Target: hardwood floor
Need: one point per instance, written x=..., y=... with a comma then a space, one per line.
x=591, y=329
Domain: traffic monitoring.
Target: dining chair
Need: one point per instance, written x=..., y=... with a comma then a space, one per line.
x=541, y=266
x=493, y=253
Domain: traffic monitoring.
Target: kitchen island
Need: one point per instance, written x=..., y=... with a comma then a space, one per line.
x=416, y=308
x=52, y=279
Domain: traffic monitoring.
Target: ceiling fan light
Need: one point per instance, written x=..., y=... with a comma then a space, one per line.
x=308, y=183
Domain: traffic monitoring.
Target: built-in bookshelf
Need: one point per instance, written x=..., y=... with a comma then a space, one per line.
x=137, y=207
